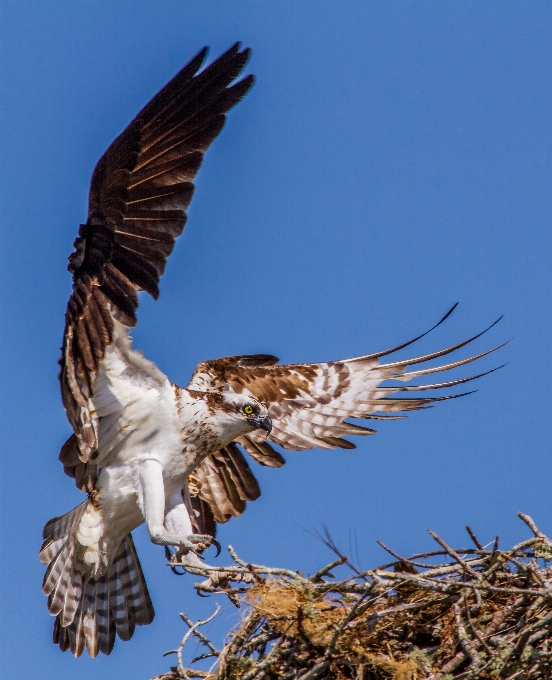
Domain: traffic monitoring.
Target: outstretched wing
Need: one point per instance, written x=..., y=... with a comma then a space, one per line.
x=310, y=404
x=139, y=193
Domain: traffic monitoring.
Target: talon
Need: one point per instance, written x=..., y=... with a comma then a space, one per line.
x=199, y=538
x=169, y=556
x=204, y=541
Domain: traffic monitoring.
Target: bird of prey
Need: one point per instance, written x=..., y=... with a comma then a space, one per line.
x=143, y=448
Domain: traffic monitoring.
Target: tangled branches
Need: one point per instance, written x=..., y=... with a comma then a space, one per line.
x=469, y=613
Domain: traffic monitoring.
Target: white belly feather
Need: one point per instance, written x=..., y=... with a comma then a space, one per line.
x=152, y=435
x=142, y=417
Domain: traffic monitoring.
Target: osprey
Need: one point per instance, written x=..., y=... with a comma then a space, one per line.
x=144, y=449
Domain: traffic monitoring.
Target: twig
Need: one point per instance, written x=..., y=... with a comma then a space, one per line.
x=371, y=620
x=325, y=570
x=315, y=671
x=199, y=635
x=178, y=651
x=331, y=647
x=455, y=555
x=463, y=637
x=529, y=521
x=474, y=537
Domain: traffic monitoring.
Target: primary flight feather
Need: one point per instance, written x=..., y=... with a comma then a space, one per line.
x=144, y=449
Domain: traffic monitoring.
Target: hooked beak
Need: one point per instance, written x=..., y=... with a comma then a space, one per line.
x=263, y=424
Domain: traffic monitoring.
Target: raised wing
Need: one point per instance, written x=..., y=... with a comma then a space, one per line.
x=310, y=404
x=139, y=193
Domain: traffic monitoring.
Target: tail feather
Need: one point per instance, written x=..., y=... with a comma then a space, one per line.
x=60, y=636
x=80, y=631
x=105, y=625
x=122, y=614
x=91, y=612
x=138, y=594
x=72, y=599
x=87, y=632
x=62, y=586
x=55, y=570
x=56, y=533
x=61, y=527
x=50, y=549
x=104, y=621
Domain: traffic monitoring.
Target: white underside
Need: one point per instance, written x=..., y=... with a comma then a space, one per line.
x=152, y=435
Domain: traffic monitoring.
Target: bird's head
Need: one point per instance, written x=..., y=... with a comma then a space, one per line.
x=237, y=414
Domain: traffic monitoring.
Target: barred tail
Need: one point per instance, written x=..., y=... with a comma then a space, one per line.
x=89, y=612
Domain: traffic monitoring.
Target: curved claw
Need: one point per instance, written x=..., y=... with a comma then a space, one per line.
x=178, y=573
x=201, y=594
x=217, y=545
x=207, y=541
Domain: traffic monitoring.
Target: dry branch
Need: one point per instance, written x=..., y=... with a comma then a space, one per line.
x=467, y=613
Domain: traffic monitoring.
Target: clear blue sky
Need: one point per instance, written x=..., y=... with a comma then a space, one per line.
x=392, y=159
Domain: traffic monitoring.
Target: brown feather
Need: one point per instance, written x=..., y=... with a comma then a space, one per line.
x=89, y=614
x=101, y=305
x=240, y=472
x=233, y=503
x=170, y=197
x=176, y=154
x=203, y=517
x=84, y=345
x=262, y=452
x=155, y=252
x=310, y=404
x=94, y=337
x=136, y=269
x=139, y=192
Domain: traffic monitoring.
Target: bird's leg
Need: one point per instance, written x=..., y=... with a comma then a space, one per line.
x=206, y=539
x=178, y=521
x=151, y=499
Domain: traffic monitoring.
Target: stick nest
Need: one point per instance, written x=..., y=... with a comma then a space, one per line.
x=478, y=612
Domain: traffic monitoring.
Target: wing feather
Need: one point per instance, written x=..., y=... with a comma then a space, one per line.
x=310, y=404
x=261, y=451
x=225, y=482
x=139, y=194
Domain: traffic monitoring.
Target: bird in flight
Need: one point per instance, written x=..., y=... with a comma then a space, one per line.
x=143, y=448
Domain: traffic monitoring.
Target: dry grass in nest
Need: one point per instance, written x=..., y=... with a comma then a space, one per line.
x=472, y=613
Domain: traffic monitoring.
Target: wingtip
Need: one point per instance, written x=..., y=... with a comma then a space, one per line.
x=235, y=50
x=237, y=47
x=492, y=326
x=450, y=311
x=410, y=342
x=200, y=57
x=248, y=81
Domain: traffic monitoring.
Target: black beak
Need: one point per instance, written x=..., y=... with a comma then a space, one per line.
x=264, y=424
x=267, y=425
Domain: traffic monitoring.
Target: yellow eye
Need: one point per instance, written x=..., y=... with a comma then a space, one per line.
x=248, y=409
